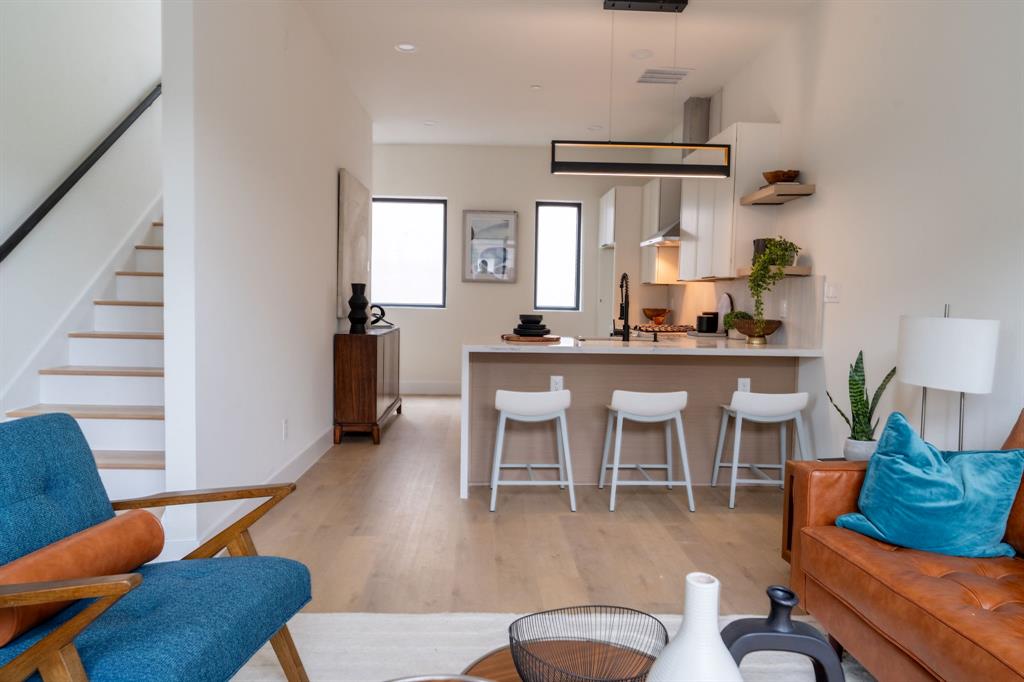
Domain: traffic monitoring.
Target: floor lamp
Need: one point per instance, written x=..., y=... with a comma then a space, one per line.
x=947, y=353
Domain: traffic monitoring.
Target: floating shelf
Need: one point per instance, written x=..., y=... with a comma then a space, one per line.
x=789, y=271
x=779, y=193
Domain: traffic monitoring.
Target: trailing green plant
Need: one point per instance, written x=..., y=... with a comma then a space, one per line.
x=728, y=320
x=768, y=269
x=861, y=410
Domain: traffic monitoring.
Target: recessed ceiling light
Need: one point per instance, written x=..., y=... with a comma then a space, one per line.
x=405, y=48
x=595, y=128
x=536, y=87
x=642, y=53
x=430, y=123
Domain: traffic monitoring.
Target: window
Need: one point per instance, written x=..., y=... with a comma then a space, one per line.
x=409, y=252
x=556, y=284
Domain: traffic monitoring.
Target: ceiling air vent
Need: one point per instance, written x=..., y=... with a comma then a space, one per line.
x=667, y=76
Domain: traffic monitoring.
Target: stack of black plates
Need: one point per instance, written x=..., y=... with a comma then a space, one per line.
x=530, y=325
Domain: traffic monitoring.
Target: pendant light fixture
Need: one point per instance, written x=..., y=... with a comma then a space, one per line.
x=638, y=159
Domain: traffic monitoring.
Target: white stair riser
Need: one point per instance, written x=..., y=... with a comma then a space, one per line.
x=134, y=288
x=147, y=260
x=122, y=484
x=116, y=352
x=123, y=434
x=154, y=237
x=101, y=390
x=128, y=318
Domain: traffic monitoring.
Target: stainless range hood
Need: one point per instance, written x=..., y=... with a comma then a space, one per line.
x=667, y=236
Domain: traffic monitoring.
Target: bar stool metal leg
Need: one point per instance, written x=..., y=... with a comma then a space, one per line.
x=561, y=454
x=782, y=452
x=668, y=454
x=616, y=459
x=607, y=447
x=721, y=444
x=735, y=459
x=684, y=456
x=496, y=469
x=564, y=438
x=801, y=438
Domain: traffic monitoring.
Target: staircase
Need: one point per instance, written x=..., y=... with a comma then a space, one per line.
x=113, y=382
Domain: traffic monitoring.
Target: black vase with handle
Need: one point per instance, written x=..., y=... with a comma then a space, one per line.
x=357, y=304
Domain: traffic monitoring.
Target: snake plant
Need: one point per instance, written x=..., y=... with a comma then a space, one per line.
x=861, y=410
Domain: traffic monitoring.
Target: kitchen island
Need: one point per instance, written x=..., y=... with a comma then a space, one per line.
x=708, y=369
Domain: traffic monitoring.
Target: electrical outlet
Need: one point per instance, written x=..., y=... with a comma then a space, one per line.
x=284, y=429
x=743, y=384
x=557, y=383
x=832, y=292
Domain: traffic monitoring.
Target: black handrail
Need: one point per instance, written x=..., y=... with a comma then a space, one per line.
x=37, y=215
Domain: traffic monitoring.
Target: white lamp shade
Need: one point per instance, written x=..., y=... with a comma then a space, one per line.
x=948, y=353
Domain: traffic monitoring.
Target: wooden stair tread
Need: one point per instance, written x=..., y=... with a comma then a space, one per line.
x=148, y=336
x=149, y=247
x=101, y=371
x=93, y=411
x=129, y=459
x=138, y=273
x=147, y=304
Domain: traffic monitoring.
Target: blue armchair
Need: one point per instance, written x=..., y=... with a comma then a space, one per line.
x=199, y=619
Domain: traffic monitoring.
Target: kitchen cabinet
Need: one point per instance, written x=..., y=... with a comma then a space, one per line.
x=366, y=370
x=717, y=231
x=606, y=220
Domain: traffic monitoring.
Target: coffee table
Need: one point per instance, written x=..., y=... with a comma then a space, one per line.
x=496, y=666
x=499, y=666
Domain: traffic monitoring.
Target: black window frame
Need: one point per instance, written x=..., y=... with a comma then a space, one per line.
x=444, y=250
x=579, y=252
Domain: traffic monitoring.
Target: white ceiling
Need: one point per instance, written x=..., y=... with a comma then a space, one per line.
x=476, y=60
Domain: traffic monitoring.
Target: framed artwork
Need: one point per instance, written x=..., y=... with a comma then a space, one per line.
x=489, y=246
x=354, y=203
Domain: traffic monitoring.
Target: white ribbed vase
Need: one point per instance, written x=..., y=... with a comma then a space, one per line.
x=697, y=652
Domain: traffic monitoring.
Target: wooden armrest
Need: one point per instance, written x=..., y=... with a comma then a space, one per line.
x=168, y=499
x=25, y=594
x=816, y=494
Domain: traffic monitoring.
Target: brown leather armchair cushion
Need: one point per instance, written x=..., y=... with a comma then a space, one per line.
x=961, y=618
x=119, y=545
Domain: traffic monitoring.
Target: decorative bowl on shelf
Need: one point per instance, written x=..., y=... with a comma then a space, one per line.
x=775, y=176
x=755, y=336
x=656, y=315
x=586, y=643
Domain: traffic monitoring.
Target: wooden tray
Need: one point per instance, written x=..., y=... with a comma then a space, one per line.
x=515, y=338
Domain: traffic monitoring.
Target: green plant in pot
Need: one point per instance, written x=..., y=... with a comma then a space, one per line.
x=729, y=322
x=769, y=268
x=861, y=444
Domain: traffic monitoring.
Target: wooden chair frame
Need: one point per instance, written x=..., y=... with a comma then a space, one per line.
x=55, y=656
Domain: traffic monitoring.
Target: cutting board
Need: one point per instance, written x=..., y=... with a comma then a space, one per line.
x=515, y=338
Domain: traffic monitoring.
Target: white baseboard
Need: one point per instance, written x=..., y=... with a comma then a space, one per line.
x=430, y=388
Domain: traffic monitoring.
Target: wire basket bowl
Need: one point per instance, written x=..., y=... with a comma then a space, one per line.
x=586, y=644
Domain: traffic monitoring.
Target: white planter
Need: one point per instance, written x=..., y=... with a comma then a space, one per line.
x=859, y=450
x=697, y=652
x=736, y=336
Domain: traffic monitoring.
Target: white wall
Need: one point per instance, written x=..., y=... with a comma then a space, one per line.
x=267, y=123
x=486, y=178
x=69, y=72
x=907, y=116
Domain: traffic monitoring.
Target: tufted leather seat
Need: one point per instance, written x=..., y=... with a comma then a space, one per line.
x=970, y=611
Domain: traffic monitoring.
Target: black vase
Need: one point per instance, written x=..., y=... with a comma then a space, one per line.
x=357, y=304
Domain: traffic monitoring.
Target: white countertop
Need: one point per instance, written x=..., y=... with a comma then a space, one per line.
x=682, y=345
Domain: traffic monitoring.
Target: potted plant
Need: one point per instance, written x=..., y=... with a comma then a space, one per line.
x=769, y=268
x=861, y=444
x=729, y=323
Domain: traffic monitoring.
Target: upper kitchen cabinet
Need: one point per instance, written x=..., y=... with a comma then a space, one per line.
x=717, y=231
x=606, y=220
x=619, y=229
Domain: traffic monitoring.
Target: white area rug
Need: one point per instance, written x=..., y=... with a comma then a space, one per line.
x=370, y=647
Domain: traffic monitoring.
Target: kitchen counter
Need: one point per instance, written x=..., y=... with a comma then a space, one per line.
x=709, y=369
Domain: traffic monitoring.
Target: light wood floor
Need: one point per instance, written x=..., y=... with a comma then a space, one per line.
x=383, y=530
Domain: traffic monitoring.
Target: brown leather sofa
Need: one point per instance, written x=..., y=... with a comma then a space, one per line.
x=904, y=614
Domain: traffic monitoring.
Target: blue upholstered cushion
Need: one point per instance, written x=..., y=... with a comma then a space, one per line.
x=953, y=503
x=49, y=486
x=195, y=621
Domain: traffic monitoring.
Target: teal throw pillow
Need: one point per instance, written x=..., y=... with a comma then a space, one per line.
x=917, y=496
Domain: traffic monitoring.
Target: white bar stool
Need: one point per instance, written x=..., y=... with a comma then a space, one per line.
x=533, y=407
x=651, y=408
x=770, y=408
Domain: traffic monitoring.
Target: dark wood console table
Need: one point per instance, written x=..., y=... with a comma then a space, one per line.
x=365, y=381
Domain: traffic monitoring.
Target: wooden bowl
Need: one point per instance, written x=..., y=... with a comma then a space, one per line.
x=749, y=329
x=657, y=315
x=774, y=176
